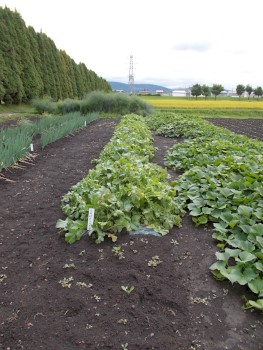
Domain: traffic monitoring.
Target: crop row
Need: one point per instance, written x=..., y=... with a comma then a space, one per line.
x=125, y=189
x=15, y=142
x=222, y=184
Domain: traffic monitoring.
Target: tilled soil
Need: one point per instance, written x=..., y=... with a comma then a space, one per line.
x=59, y=296
x=250, y=127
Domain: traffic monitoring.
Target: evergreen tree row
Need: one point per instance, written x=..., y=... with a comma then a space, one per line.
x=32, y=66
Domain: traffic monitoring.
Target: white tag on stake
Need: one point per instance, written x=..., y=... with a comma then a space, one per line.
x=90, y=219
x=31, y=147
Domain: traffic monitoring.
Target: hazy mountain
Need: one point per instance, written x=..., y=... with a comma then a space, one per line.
x=138, y=87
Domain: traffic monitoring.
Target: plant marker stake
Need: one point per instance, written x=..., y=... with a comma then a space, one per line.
x=90, y=219
x=85, y=124
x=31, y=147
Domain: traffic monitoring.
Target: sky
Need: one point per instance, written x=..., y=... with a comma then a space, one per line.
x=174, y=43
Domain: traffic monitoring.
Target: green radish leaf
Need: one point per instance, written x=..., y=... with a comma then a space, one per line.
x=200, y=220
x=256, y=285
x=216, y=213
x=226, y=192
x=244, y=210
x=234, y=274
x=62, y=224
x=221, y=227
x=259, y=213
x=257, y=229
x=258, y=304
x=233, y=252
x=259, y=265
x=207, y=210
x=195, y=211
x=245, y=257
x=233, y=223
x=223, y=256
x=260, y=241
x=244, y=245
x=226, y=217
x=259, y=255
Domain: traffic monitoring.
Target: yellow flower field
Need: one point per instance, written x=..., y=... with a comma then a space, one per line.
x=202, y=104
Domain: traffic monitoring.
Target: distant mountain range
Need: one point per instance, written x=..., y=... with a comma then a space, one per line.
x=138, y=87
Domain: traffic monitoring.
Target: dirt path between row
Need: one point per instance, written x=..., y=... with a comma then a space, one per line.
x=175, y=305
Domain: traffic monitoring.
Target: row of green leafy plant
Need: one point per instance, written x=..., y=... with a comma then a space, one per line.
x=125, y=189
x=222, y=185
x=239, y=113
x=15, y=141
x=119, y=104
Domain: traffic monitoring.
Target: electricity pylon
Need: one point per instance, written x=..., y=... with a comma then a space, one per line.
x=131, y=77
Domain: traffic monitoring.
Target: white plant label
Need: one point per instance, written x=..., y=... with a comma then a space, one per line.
x=31, y=147
x=85, y=124
x=90, y=219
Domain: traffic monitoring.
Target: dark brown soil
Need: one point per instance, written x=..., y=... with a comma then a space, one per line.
x=250, y=127
x=176, y=305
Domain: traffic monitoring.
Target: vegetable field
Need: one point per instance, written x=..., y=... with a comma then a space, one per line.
x=141, y=291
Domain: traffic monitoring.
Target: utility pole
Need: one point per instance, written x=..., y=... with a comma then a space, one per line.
x=131, y=77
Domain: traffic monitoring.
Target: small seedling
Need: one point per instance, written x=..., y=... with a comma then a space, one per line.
x=225, y=291
x=97, y=298
x=198, y=300
x=122, y=321
x=117, y=250
x=155, y=260
x=174, y=242
x=2, y=277
x=125, y=346
x=69, y=266
x=65, y=283
x=84, y=285
x=82, y=252
x=101, y=256
x=127, y=289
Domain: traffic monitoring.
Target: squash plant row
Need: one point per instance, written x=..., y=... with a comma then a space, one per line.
x=125, y=189
x=222, y=184
x=15, y=141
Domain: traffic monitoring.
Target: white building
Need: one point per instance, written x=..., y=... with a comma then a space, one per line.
x=179, y=93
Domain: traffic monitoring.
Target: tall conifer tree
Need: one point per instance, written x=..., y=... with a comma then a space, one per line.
x=32, y=66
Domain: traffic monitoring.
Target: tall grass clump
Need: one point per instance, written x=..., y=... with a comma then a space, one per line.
x=114, y=103
x=119, y=104
x=67, y=106
x=45, y=105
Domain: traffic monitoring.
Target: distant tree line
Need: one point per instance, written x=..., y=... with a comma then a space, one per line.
x=216, y=89
x=31, y=65
x=198, y=90
x=240, y=89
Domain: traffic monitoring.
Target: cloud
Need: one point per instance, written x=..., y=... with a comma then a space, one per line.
x=200, y=46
